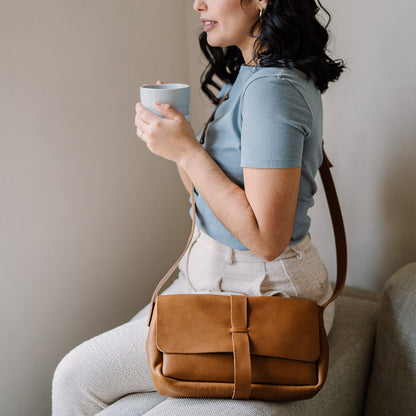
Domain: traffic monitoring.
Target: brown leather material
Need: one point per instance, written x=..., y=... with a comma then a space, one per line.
x=263, y=348
x=337, y=225
x=241, y=347
x=204, y=362
x=266, y=370
x=242, y=365
x=209, y=371
x=290, y=326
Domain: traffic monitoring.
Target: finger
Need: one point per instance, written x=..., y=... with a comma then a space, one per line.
x=168, y=110
x=140, y=124
x=138, y=117
x=140, y=134
x=146, y=115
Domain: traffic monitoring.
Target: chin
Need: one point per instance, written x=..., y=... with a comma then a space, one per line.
x=213, y=43
x=217, y=43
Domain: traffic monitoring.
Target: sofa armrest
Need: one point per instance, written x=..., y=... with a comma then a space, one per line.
x=392, y=385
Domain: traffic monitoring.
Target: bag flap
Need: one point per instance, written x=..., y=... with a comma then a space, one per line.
x=277, y=327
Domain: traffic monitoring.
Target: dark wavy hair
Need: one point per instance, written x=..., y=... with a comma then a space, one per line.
x=290, y=36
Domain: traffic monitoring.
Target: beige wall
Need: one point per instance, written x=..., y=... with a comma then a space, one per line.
x=90, y=220
x=370, y=134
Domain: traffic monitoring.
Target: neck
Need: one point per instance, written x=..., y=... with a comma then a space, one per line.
x=247, y=52
x=250, y=62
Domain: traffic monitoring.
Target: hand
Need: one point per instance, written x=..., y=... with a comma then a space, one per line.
x=171, y=138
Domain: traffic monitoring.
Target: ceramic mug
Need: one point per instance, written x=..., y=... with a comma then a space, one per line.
x=175, y=94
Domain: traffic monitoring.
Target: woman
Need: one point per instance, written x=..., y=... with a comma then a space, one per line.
x=254, y=179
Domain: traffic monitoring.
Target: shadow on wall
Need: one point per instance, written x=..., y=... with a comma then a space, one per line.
x=398, y=200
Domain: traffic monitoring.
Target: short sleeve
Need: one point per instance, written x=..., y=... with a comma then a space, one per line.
x=275, y=122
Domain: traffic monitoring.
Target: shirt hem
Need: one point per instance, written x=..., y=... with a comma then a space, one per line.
x=271, y=163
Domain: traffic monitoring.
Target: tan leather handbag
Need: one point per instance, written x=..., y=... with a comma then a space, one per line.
x=239, y=347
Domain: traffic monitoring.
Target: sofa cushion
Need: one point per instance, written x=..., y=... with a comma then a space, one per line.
x=133, y=404
x=356, y=292
x=392, y=387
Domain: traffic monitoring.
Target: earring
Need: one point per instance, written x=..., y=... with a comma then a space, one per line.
x=261, y=13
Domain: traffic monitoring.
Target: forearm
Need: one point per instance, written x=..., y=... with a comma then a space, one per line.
x=261, y=216
x=185, y=179
x=226, y=199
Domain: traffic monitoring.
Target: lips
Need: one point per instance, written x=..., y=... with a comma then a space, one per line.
x=208, y=22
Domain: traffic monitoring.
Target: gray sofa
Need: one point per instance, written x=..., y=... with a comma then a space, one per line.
x=372, y=368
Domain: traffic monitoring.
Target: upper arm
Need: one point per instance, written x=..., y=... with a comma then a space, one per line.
x=276, y=120
x=272, y=195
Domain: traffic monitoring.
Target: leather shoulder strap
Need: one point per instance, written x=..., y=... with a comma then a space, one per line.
x=337, y=226
x=336, y=217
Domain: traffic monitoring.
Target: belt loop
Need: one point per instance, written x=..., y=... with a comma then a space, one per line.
x=228, y=255
x=197, y=232
x=299, y=253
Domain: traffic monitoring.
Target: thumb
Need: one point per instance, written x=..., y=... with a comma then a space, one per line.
x=168, y=110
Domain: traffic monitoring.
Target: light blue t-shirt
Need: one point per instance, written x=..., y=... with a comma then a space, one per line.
x=271, y=119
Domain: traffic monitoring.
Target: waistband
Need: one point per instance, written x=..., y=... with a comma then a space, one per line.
x=230, y=254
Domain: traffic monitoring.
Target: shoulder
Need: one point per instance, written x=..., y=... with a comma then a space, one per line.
x=286, y=90
x=281, y=81
x=280, y=89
